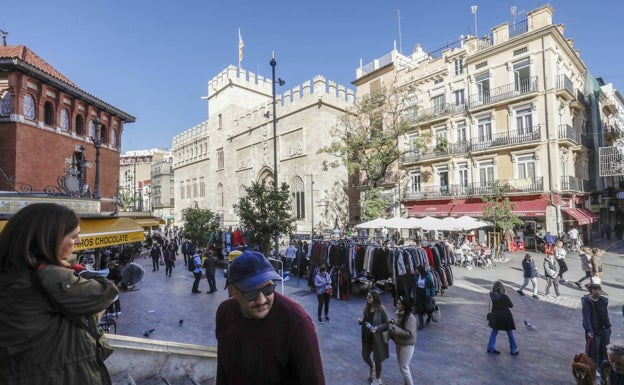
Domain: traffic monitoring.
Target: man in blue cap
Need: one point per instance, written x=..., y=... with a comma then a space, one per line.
x=263, y=337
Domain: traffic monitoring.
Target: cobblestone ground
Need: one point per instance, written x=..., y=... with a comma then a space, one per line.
x=451, y=351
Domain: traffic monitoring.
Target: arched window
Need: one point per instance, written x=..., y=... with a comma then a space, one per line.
x=5, y=104
x=298, y=195
x=64, y=120
x=48, y=114
x=29, y=107
x=220, y=200
x=113, y=138
x=80, y=130
x=104, y=134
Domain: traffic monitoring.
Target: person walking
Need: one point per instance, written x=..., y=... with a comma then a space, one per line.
x=530, y=274
x=155, y=254
x=169, y=257
x=289, y=254
x=585, y=265
x=403, y=332
x=501, y=319
x=596, y=265
x=374, y=321
x=324, y=290
x=596, y=323
x=560, y=255
x=50, y=308
x=210, y=264
x=263, y=337
x=425, y=291
x=551, y=273
x=197, y=272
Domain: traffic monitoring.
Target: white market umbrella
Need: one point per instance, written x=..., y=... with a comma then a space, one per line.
x=401, y=223
x=429, y=223
x=373, y=224
x=470, y=223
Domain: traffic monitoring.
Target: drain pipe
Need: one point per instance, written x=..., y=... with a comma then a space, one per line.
x=548, y=152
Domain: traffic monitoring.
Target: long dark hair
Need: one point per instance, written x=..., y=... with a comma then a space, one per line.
x=376, y=304
x=34, y=235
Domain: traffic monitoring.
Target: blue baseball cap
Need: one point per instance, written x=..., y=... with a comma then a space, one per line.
x=250, y=269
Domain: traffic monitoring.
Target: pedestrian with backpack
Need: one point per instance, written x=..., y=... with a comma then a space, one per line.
x=195, y=263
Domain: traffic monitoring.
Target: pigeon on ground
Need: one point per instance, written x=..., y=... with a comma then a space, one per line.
x=148, y=332
x=528, y=324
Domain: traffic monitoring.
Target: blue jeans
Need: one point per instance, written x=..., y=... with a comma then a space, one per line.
x=513, y=346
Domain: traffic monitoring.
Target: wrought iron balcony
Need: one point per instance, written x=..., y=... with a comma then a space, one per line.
x=505, y=92
x=572, y=183
x=568, y=132
x=565, y=87
x=503, y=139
x=515, y=186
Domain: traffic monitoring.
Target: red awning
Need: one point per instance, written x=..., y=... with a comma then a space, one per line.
x=576, y=215
x=423, y=210
x=533, y=208
x=470, y=209
x=593, y=217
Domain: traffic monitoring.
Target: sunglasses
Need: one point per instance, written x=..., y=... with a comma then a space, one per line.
x=252, y=295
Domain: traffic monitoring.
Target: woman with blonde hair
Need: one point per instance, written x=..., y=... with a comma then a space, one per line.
x=500, y=318
x=374, y=321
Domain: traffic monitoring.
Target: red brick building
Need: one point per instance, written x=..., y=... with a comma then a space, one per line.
x=47, y=131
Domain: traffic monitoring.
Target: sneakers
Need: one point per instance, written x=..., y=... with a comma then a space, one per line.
x=320, y=319
x=493, y=351
x=520, y=292
x=327, y=318
x=535, y=296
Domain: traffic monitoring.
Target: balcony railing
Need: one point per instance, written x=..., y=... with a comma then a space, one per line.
x=502, y=139
x=572, y=183
x=505, y=92
x=568, y=132
x=564, y=83
x=515, y=186
x=518, y=28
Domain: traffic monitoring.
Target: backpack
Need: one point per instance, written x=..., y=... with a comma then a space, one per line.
x=191, y=263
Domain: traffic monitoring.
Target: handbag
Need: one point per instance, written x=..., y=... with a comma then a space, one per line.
x=488, y=316
x=329, y=291
x=436, y=316
x=385, y=336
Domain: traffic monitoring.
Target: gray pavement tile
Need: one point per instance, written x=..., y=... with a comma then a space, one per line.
x=448, y=352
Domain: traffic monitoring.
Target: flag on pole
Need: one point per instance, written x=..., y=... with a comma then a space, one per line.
x=240, y=47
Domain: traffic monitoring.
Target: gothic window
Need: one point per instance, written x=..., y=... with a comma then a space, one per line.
x=48, y=114
x=220, y=159
x=113, y=138
x=5, y=104
x=80, y=129
x=220, y=200
x=298, y=195
x=29, y=107
x=64, y=120
x=104, y=134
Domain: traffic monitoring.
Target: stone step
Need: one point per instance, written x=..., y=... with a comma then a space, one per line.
x=126, y=379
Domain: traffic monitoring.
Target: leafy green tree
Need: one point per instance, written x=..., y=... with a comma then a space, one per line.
x=498, y=209
x=199, y=223
x=265, y=212
x=124, y=200
x=374, y=205
x=366, y=139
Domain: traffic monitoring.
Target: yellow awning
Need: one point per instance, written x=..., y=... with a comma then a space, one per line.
x=149, y=221
x=2, y=223
x=103, y=232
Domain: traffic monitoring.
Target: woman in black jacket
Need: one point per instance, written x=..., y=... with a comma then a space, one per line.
x=500, y=318
x=374, y=321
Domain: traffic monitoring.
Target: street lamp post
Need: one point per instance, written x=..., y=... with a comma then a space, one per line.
x=97, y=143
x=273, y=64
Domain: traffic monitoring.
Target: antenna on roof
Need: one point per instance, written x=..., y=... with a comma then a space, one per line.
x=4, y=35
x=398, y=12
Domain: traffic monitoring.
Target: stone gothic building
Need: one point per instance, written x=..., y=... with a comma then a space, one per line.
x=214, y=160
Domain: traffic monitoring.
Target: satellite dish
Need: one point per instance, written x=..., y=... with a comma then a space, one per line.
x=131, y=275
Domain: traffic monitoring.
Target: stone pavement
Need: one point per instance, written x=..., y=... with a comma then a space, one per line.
x=451, y=351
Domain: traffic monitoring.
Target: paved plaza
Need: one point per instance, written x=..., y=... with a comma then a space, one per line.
x=451, y=351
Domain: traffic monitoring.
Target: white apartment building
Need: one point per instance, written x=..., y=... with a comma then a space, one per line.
x=517, y=106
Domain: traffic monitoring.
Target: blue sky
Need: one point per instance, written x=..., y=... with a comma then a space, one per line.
x=153, y=59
